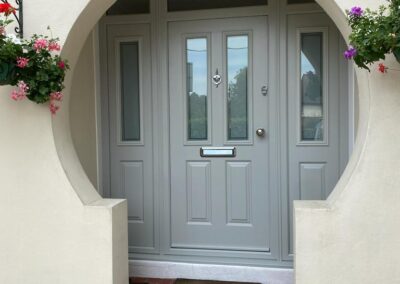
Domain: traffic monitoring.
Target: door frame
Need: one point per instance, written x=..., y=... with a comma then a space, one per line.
x=277, y=12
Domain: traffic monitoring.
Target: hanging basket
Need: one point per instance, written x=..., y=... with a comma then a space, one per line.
x=7, y=73
x=396, y=53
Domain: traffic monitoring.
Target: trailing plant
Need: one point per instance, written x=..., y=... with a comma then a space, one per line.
x=33, y=65
x=374, y=34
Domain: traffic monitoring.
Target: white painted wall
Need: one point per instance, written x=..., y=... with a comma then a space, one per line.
x=83, y=110
x=55, y=226
x=57, y=229
x=354, y=236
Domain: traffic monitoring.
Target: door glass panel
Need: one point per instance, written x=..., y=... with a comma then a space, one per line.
x=197, y=88
x=185, y=5
x=126, y=7
x=312, y=109
x=237, y=70
x=130, y=91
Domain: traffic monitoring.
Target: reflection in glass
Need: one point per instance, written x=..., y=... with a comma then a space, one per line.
x=196, y=87
x=237, y=66
x=130, y=92
x=312, y=116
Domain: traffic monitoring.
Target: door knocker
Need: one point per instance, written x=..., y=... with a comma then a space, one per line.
x=217, y=79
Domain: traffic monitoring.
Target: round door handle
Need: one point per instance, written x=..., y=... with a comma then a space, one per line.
x=260, y=132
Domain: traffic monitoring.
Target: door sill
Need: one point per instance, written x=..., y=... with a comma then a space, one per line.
x=174, y=270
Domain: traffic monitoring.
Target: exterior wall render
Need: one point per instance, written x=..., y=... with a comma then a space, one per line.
x=56, y=228
x=353, y=237
x=83, y=110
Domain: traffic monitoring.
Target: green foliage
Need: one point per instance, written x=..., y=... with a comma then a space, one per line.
x=375, y=33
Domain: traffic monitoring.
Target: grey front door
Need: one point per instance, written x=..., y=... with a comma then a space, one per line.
x=218, y=78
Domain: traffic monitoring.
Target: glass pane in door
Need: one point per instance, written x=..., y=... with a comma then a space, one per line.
x=197, y=88
x=237, y=70
x=312, y=116
x=130, y=91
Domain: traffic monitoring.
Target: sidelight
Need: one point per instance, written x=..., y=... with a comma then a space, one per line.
x=312, y=95
x=130, y=91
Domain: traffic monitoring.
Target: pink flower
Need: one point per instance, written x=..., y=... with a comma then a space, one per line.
x=53, y=108
x=22, y=62
x=40, y=44
x=61, y=64
x=21, y=92
x=54, y=46
x=16, y=96
x=56, y=96
x=22, y=86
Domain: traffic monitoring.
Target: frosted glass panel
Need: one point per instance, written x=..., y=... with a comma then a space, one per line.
x=237, y=66
x=125, y=7
x=130, y=91
x=312, y=110
x=197, y=87
x=187, y=5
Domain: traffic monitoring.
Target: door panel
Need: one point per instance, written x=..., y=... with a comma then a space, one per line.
x=219, y=203
x=130, y=105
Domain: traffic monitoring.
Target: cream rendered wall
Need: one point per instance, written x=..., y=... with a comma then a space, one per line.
x=354, y=236
x=83, y=110
x=55, y=228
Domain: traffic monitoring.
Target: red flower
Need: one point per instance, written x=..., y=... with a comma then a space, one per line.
x=61, y=64
x=382, y=68
x=7, y=9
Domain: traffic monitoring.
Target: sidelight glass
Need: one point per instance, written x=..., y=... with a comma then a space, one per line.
x=197, y=88
x=237, y=96
x=130, y=91
x=312, y=98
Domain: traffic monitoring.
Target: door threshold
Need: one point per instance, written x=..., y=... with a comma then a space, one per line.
x=217, y=272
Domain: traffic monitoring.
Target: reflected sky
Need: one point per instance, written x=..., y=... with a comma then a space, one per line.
x=197, y=58
x=306, y=65
x=238, y=57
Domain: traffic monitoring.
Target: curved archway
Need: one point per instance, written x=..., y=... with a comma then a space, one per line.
x=304, y=210
x=74, y=42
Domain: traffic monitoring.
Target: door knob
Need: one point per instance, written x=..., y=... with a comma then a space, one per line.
x=260, y=132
